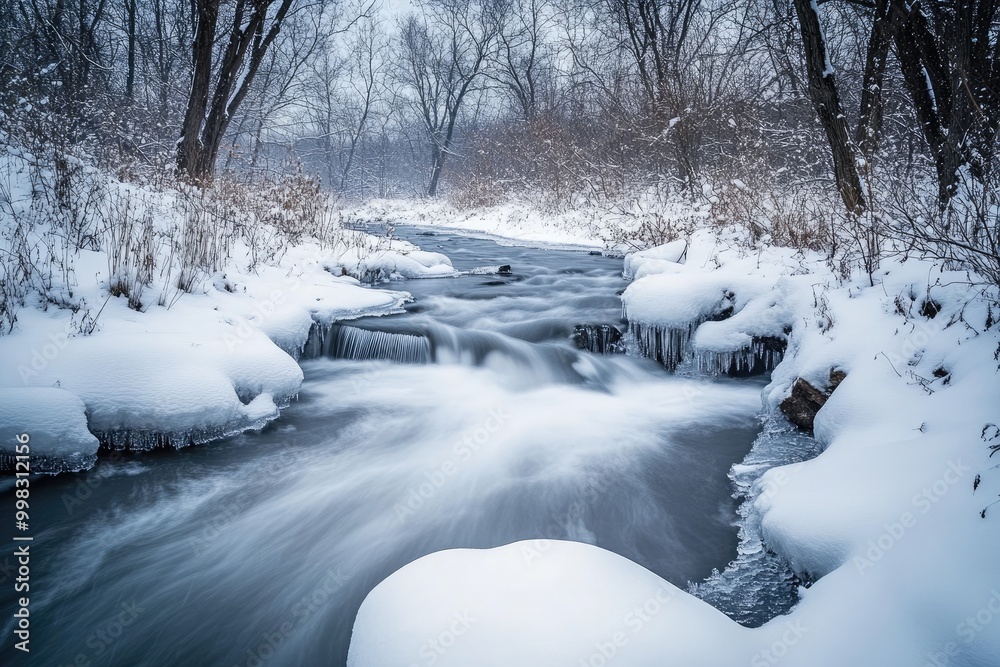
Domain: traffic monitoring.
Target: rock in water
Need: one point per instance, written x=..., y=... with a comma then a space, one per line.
x=598, y=338
x=805, y=400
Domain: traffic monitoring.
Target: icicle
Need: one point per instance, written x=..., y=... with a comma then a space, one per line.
x=142, y=441
x=671, y=346
x=368, y=276
x=666, y=345
x=761, y=356
x=50, y=464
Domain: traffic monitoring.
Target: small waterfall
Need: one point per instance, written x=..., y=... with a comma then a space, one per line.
x=403, y=342
x=341, y=341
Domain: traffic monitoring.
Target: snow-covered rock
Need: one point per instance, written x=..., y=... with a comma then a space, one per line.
x=667, y=310
x=392, y=265
x=538, y=603
x=675, y=300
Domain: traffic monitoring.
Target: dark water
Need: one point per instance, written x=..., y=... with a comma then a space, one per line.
x=258, y=550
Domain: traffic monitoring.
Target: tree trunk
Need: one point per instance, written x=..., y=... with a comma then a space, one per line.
x=437, y=166
x=826, y=101
x=952, y=74
x=130, y=8
x=923, y=74
x=248, y=43
x=870, y=118
x=189, y=147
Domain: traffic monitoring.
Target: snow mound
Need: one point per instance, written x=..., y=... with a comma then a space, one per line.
x=717, y=303
x=674, y=300
x=655, y=260
x=287, y=325
x=542, y=602
x=392, y=265
x=767, y=314
x=55, y=421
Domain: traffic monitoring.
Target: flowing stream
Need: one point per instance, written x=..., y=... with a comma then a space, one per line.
x=470, y=421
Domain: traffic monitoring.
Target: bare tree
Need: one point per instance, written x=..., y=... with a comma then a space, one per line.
x=167, y=31
x=367, y=85
x=444, y=56
x=523, y=55
x=254, y=27
x=266, y=115
x=949, y=54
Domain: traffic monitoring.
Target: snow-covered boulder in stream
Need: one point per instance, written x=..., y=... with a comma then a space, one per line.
x=537, y=604
x=665, y=310
x=711, y=303
x=392, y=265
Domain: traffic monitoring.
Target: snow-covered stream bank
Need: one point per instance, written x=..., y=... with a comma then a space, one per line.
x=212, y=364
x=260, y=548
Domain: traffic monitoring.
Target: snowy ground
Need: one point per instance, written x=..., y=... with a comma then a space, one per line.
x=888, y=518
x=215, y=363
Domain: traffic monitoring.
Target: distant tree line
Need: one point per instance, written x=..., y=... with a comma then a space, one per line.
x=485, y=99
